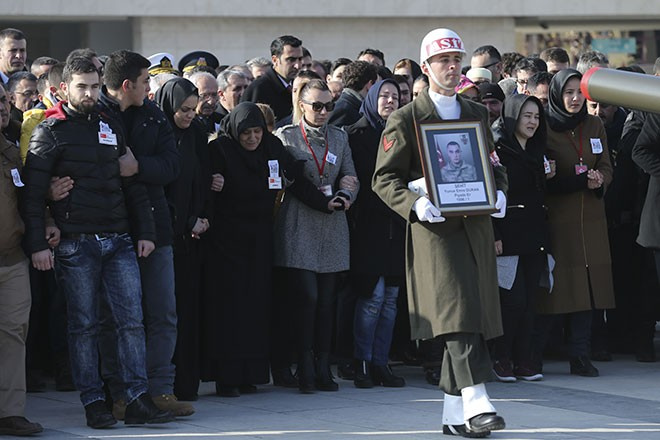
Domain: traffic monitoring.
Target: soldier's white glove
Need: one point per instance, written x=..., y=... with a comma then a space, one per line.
x=426, y=211
x=418, y=187
x=500, y=205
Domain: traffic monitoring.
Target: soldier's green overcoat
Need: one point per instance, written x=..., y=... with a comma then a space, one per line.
x=450, y=266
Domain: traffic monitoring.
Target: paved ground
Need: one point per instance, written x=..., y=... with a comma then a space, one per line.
x=624, y=403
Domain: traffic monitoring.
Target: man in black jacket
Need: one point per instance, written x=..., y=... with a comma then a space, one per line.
x=358, y=78
x=274, y=87
x=95, y=260
x=154, y=160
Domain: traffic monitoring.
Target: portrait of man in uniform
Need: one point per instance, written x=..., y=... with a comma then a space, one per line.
x=456, y=169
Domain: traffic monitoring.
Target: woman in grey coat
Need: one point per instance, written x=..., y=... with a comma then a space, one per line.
x=312, y=245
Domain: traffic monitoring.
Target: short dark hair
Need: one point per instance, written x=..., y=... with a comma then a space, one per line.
x=12, y=33
x=489, y=50
x=509, y=61
x=76, y=66
x=555, y=54
x=527, y=64
x=306, y=52
x=384, y=72
x=55, y=75
x=82, y=52
x=340, y=62
x=453, y=143
x=123, y=65
x=277, y=46
x=538, y=78
x=44, y=61
x=17, y=77
x=375, y=52
x=358, y=74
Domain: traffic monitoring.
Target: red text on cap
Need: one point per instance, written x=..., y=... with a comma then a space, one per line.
x=444, y=43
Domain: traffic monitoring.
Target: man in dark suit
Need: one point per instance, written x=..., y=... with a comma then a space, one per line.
x=274, y=87
x=358, y=78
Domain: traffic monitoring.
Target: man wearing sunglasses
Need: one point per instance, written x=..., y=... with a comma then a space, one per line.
x=488, y=57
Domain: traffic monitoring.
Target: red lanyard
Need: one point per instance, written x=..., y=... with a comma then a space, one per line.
x=320, y=167
x=579, y=152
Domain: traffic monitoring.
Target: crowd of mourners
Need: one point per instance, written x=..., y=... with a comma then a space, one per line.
x=165, y=223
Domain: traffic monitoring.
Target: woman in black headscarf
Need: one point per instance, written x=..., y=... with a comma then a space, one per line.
x=377, y=246
x=576, y=217
x=187, y=196
x=255, y=167
x=522, y=236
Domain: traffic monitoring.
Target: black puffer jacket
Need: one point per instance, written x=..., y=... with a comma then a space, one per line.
x=67, y=144
x=151, y=139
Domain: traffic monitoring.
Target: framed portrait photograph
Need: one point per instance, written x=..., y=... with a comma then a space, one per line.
x=457, y=169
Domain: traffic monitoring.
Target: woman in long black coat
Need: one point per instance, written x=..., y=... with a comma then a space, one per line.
x=188, y=197
x=522, y=236
x=377, y=246
x=255, y=166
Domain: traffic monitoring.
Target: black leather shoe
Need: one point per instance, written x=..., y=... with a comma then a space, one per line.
x=98, y=416
x=282, y=377
x=382, y=375
x=345, y=371
x=19, y=426
x=247, y=388
x=143, y=410
x=462, y=431
x=227, y=391
x=581, y=366
x=432, y=375
x=363, y=375
x=485, y=422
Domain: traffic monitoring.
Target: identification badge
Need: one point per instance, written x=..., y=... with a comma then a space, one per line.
x=596, y=146
x=326, y=190
x=107, y=138
x=16, y=177
x=104, y=128
x=579, y=169
x=273, y=168
x=546, y=165
x=331, y=158
x=274, y=183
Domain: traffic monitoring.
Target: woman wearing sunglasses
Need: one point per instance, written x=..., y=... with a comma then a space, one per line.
x=312, y=245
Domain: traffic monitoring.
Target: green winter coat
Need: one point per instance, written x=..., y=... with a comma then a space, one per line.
x=450, y=266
